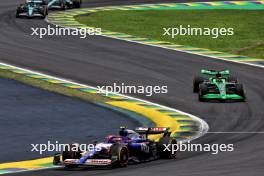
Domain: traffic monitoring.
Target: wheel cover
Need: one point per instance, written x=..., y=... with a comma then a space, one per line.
x=123, y=157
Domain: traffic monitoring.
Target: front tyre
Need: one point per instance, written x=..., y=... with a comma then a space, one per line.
x=45, y=12
x=202, y=91
x=240, y=91
x=56, y=159
x=196, y=81
x=121, y=155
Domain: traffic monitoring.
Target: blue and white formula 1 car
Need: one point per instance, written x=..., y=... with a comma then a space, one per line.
x=119, y=150
x=32, y=8
x=63, y=4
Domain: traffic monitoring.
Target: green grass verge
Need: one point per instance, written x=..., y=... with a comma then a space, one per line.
x=254, y=51
x=247, y=24
x=52, y=87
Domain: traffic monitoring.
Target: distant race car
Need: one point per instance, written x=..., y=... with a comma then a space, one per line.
x=32, y=8
x=62, y=4
x=218, y=85
x=119, y=150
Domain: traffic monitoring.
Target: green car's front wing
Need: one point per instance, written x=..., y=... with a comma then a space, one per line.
x=223, y=97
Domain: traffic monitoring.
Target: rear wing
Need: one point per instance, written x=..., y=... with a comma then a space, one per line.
x=153, y=130
x=214, y=72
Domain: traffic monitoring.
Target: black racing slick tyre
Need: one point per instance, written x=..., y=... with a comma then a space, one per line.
x=202, y=91
x=240, y=91
x=196, y=81
x=18, y=13
x=120, y=155
x=165, y=147
x=45, y=12
x=56, y=159
x=63, y=4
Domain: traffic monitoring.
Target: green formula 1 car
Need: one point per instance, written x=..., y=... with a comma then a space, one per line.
x=32, y=8
x=218, y=85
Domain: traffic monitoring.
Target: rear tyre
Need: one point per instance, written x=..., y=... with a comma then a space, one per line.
x=121, y=154
x=202, y=91
x=196, y=81
x=168, y=154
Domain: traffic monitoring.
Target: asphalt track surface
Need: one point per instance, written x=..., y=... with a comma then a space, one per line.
x=26, y=110
x=102, y=61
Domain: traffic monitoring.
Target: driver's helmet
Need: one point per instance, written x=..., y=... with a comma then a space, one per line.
x=123, y=132
x=130, y=134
